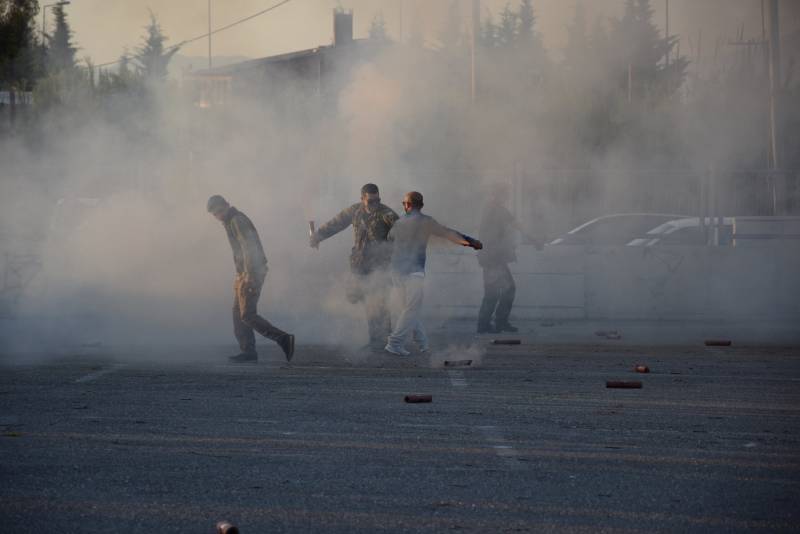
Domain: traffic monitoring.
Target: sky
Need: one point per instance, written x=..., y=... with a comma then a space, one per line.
x=105, y=28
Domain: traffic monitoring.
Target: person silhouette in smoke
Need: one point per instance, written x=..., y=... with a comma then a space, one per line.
x=410, y=235
x=369, y=259
x=251, y=270
x=497, y=231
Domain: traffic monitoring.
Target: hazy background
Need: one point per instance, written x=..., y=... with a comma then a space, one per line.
x=105, y=178
x=104, y=29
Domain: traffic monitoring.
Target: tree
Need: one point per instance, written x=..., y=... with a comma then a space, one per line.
x=61, y=53
x=377, y=29
x=507, y=29
x=577, y=50
x=152, y=57
x=488, y=32
x=527, y=21
x=640, y=50
x=19, y=60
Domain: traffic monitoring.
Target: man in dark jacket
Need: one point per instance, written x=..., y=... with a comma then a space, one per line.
x=251, y=269
x=369, y=259
x=498, y=233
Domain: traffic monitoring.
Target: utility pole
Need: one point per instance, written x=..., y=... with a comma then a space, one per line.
x=666, y=32
x=209, y=34
x=476, y=27
x=774, y=46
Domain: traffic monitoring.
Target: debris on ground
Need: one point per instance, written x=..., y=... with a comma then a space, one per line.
x=624, y=384
x=507, y=342
x=223, y=527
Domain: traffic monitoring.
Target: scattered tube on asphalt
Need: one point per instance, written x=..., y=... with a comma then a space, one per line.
x=223, y=527
x=624, y=384
x=507, y=342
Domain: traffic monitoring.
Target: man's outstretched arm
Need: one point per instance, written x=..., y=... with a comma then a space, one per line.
x=334, y=226
x=454, y=236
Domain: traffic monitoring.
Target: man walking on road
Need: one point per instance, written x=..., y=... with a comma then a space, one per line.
x=369, y=259
x=251, y=269
x=410, y=235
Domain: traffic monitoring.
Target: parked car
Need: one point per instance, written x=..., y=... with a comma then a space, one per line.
x=724, y=231
x=617, y=229
x=687, y=231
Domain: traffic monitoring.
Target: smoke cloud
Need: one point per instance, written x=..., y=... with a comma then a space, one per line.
x=107, y=193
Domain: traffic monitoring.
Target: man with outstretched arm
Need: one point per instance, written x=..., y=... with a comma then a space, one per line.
x=251, y=269
x=369, y=259
x=410, y=235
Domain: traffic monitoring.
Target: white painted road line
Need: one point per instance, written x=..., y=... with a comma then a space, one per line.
x=97, y=374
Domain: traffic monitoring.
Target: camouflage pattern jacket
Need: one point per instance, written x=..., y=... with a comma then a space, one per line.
x=371, y=249
x=248, y=254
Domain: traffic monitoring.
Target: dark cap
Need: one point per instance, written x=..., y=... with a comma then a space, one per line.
x=216, y=201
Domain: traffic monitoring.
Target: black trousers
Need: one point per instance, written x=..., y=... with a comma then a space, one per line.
x=499, y=290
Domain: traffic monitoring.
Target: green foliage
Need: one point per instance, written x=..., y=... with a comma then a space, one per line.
x=153, y=57
x=638, y=46
x=61, y=51
x=20, y=63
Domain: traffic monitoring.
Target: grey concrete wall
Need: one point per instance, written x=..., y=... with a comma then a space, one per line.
x=671, y=282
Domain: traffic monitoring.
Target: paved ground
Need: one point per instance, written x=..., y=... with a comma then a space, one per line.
x=528, y=438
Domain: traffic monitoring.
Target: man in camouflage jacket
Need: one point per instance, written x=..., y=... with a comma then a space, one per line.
x=369, y=259
x=251, y=270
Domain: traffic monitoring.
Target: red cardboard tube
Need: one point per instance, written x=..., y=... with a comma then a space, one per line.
x=418, y=398
x=718, y=342
x=641, y=369
x=624, y=384
x=457, y=363
x=507, y=342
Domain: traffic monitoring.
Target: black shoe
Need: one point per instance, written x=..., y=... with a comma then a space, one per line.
x=244, y=357
x=487, y=329
x=286, y=343
x=507, y=327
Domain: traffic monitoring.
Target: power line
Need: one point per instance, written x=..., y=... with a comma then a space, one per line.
x=204, y=36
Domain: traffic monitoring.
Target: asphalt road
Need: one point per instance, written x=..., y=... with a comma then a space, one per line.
x=526, y=439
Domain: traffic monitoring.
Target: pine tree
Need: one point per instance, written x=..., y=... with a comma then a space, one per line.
x=527, y=21
x=20, y=62
x=488, y=33
x=153, y=58
x=61, y=52
x=507, y=29
x=640, y=49
x=577, y=50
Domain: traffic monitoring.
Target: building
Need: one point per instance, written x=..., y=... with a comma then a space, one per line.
x=283, y=80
